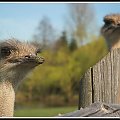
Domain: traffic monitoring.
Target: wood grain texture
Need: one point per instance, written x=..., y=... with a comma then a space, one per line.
x=101, y=83
x=85, y=83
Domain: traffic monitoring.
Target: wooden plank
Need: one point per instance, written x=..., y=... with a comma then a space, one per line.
x=107, y=79
x=85, y=83
x=102, y=80
x=96, y=83
x=112, y=78
x=118, y=80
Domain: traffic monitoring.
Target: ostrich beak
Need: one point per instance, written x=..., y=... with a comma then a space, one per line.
x=39, y=60
x=34, y=59
x=28, y=59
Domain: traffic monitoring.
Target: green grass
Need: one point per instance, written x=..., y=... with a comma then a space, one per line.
x=43, y=112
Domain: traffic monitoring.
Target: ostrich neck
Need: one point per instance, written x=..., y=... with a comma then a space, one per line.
x=116, y=45
x=9, y=82
x=7, y=98
x=113, y=44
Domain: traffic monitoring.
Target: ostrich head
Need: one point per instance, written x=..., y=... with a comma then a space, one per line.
x=111, y=30
x=17, y=59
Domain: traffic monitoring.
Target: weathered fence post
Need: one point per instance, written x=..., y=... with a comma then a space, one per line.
x=101, y=83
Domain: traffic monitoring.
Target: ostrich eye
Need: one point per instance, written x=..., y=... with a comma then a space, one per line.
x=5, y=51
x=108, y=22
x=38, y=51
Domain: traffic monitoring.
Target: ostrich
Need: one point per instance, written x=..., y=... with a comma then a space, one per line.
x=111, y=31
x=16, y=60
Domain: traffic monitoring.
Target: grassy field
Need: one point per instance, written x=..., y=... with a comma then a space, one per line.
x=43, y=112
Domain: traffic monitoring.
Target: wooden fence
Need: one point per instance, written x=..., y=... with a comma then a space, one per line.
x=101, y=83
x=99, y=94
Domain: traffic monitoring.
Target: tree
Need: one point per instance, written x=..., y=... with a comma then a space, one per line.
x=62, y=41
x=79, y=21
x=73, y=44
x=45, y=32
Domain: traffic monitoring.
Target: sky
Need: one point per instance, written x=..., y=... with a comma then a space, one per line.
x=20, y=20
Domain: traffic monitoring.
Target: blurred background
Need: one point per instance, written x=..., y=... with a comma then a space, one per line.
x=70, y=39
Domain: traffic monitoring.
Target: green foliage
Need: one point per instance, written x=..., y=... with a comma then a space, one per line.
x=56, y=82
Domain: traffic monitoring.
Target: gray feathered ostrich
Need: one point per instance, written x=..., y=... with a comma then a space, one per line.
x=111, y=31
x=16, y=60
